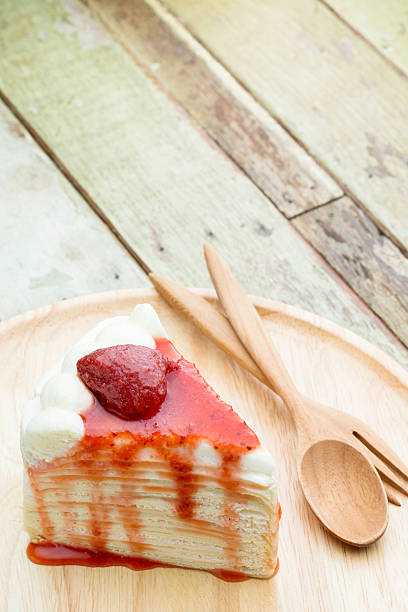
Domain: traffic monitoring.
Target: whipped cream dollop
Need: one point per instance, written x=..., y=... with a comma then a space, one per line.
x=51, y=421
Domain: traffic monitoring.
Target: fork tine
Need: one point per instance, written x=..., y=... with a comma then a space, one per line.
x=393, y=499
x=383, y=468
x=377, y=445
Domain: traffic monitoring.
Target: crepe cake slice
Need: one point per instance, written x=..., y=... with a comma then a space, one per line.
x=132, y=459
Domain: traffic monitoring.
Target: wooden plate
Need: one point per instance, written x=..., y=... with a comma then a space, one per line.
x=317, y=572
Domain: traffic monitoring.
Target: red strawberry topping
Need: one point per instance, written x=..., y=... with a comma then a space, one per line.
x=127, y=380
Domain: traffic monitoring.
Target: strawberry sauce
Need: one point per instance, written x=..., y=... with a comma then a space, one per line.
x=190, y=413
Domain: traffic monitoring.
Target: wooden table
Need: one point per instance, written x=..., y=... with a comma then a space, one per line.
x=131, y=131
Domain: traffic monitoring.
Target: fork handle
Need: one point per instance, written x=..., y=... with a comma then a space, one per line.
x=249, y=328
x=208, y=320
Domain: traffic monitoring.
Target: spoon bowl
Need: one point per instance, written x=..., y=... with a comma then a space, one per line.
x=344, y=491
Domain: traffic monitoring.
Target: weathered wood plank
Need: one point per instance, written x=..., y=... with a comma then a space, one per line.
x=367, y=260
x=53, y=246
x=244, y=130
x=162, y=182
x=384, y=24
x=335, y=93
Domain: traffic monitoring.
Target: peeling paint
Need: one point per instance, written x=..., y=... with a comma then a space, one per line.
x=380, y=149
x=330, y=232
x=53, y=277
x=78, y=22
x=15, y=128
x=345, y=47
x=262, y=230
x=32, y=178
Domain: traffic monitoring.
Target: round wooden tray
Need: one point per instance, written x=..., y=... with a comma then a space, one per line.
x=317, y=572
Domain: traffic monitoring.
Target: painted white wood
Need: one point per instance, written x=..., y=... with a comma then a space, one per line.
x=52, y=245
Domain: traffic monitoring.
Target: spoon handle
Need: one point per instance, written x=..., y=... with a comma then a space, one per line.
x=249, y=328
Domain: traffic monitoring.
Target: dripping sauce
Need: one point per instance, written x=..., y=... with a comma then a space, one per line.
x=56, y=554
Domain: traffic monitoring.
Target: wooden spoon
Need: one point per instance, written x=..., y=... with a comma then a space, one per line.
x=340, y=483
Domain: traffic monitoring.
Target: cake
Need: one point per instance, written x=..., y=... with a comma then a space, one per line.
x=131, y=458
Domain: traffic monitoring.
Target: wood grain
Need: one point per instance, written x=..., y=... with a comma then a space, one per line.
x=317, y=572
x=385, y=25
x=53, y=246
x=240, y=126
x=334, y=93
x=164, y=185
x=366, y=259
